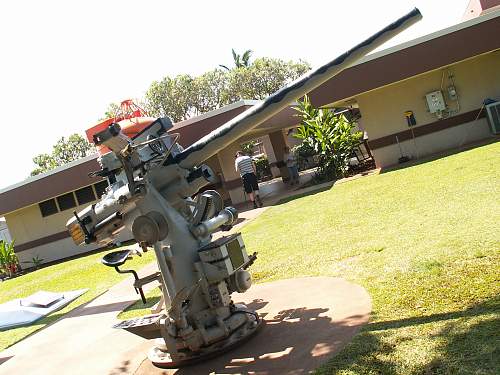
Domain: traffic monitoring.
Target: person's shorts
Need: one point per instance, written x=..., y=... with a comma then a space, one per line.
x=250, y=182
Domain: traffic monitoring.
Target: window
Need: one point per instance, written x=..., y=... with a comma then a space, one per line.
x=66, y=201
x=48, y=207
x=100, y=188
x=85, y=195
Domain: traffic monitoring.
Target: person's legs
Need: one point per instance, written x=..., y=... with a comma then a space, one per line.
x=257, y=198
x=248, y=185
x=255, y=188
x=251, y=196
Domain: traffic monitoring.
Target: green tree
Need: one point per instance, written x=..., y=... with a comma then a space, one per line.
x=210, y=91
x=113, y=109
x=63, y=152
x=184, y=96
x=172, y=97
x=263, y=77
x=44, y=162
x=332, y=137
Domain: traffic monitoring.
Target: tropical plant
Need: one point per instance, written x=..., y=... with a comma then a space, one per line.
x=240, y=61
x=331, y=136
x=36, y=261
x=8, y=258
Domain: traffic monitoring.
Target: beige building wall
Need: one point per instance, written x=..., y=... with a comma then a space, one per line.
x=28, y=225
x=383, y=109
x=53, y=251
x=4, y=232
x=475, y=8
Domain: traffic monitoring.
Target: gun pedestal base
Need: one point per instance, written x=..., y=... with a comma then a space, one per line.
x=161, y=358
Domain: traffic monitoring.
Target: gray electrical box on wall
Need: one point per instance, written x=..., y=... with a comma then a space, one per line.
x=435, y=101
x=493, y=111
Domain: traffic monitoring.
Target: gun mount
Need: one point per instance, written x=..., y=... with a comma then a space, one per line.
x=154, y=186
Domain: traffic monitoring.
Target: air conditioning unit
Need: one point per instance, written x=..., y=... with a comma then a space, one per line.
x=493, y=112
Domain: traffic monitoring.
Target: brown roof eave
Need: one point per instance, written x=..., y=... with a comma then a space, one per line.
x=417, y=59
x=50, y=186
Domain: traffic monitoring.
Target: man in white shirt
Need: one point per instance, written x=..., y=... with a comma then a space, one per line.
x=246, y=168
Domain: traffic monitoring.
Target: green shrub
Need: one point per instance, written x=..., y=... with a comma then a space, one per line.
x=263, y=168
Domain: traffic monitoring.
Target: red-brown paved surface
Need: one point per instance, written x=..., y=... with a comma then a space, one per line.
x=307, y=321
x=83, y=342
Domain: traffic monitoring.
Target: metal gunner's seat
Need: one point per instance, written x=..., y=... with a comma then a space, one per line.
x=116, y=258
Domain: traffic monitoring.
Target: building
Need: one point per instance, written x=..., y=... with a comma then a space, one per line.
x=36, y=209
x=476, y=8
x=458, y=67
x=415, y=99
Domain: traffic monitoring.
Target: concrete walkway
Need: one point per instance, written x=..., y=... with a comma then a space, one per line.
x=84, y=342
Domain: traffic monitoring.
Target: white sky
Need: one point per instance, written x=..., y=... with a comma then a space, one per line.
x=63, y=62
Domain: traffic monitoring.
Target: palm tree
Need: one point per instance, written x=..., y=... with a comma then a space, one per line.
x=240, y=61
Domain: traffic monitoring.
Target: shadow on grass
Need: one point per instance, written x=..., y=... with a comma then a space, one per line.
x=466, y=345
x=305, y=194
x=440, y=155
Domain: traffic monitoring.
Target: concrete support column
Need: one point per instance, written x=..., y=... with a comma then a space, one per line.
x=231, y=179
x=271, y=157
x=214, y=163
x=278, y=143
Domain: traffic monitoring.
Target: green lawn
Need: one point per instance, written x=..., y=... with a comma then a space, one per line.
x=423, y=240
x=85, y=272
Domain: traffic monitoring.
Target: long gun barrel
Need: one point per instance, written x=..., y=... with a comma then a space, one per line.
x=234, y=129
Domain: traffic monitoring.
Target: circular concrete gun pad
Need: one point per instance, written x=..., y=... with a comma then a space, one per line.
x=307, y=321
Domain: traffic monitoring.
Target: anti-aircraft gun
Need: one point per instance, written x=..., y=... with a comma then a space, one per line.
x=154, y=186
